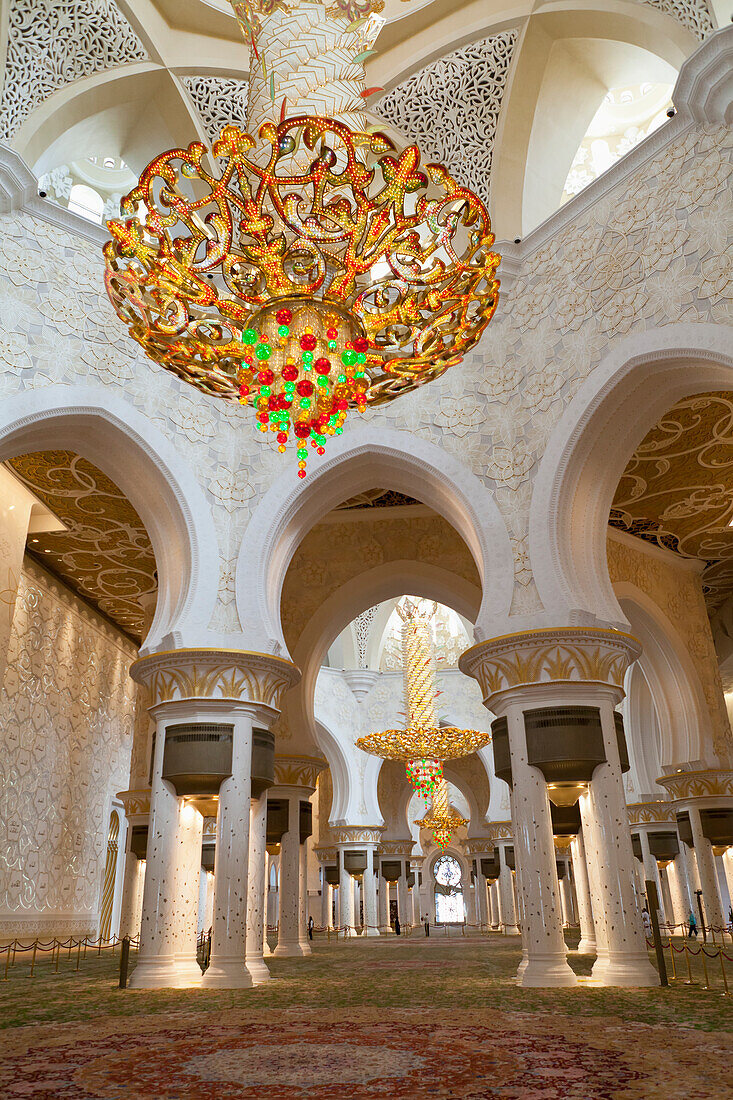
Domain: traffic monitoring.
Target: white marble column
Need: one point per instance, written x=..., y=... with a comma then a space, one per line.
x=587, y=944
x=404, y=909
x=534, y=846
x=292, y=937
x=227, y=968
x=712, y=902
x=337, y=907
x=608, y=846
x=469, y=897
x=415, y=898
x=257, y=891
x=650, y=869
x=167, y=956
x=494, y=923
x=200, y=924
x=369, y=893
x=676, y=872
x=132, y=894
x=482, y=915
x=728, y=869
x=346, y=900
x=383, y=905
x=326, y=903
x=567, y=901
x=505, y=894
x=358, y=914
x=666, y=898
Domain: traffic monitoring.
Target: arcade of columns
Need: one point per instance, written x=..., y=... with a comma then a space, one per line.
x=535, y=874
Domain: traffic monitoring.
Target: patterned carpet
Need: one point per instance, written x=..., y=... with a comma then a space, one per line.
x=322, y=1032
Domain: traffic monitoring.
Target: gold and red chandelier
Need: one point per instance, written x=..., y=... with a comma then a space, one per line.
x=424, y=744
x=314, y=268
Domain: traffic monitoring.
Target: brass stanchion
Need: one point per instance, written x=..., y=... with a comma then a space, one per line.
x=78, y=954
x=722, y=971
x=58, y=956
x=33, y=959
x=689, y=971
x=86, y=941
x=705, y=967
x=7, y=964
x=15, y=945
x=671, y=956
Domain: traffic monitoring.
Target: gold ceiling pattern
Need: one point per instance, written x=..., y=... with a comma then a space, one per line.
x=104, y=555
x=677, y=489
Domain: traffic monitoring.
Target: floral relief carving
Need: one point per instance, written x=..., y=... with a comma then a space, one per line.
x=68, y=711
x=54, y=42
x=693, y=14
x=450, y=109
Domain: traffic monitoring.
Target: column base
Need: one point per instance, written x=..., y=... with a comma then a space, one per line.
x=226, y=973
x=633, y=971
x=546, y=973
x=166, y=972
x=586, y=947
x=512, y=930
x=257, y=970
x=349, y=933
x=291, y=951
x=371, y=932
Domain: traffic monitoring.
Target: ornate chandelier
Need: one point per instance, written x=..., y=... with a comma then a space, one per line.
x=316, y=269
x=424, y=744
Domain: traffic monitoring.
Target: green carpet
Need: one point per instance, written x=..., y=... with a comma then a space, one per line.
x=362, y=1019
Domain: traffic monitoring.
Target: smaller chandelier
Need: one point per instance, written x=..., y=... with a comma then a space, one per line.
x=321, y=270
x=423, y=775
x=442, y=820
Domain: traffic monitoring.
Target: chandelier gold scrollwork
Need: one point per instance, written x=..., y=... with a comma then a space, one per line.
x=304, y=292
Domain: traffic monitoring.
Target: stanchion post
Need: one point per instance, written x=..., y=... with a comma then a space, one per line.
x=7, y=964
x=78, y=954
x=124, y=961
x=689, y=970
x=705, y=967
x=58, y=956
x=722, y=971
x=651, y=893
x=33, y=959
x=671, y=956
x=698, y=895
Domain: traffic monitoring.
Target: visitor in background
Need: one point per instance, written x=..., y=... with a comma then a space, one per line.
x=426, y=922
x=730, y=917
x=397, y=926
x=646, y=919
x=310, y=928
x=693, y=926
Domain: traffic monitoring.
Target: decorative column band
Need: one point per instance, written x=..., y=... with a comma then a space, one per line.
x=565, y=743
x=550, y=656
x=357, y=834
x=298, y=771
x=232, y=674
x=709, y=783
x=650, y=813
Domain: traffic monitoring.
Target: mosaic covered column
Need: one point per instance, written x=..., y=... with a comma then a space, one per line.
x=204, y=703
x=587, y=944
x=703, y=804
x=504, y=844
x=555, y=689
x=137, y=812
x=295, y=779
x=257, y=887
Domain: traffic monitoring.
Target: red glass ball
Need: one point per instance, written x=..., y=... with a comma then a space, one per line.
x=304, y=388
x=342, y=404
x=262, y=417
x=289, y=373
x=322, y=365
x=284, y=316
x=282, y=437
x=308, y=341
x=301, y=473
x=265, y=377
x=332, y=333
x=361, y=344
x=302, y=430
x=321, y=450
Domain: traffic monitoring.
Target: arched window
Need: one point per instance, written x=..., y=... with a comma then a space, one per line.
x=449, y=907
x=85, y=201
x=626, y=116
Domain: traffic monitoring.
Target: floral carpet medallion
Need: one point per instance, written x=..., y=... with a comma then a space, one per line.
x=369, y=1056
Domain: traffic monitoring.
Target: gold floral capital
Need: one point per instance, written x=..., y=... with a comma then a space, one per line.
x=699, y=784
x=650, y=813
x=500, y=830
x=235, y=674
x=136, y=803
x=358, y=834
x=397, y=848
x=550, y=656
x=478, y=845
x=325, y=855
x=298, y=771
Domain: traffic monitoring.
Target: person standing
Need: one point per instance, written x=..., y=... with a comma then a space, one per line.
x=426, y=922
x=692, y=920
x=397, y=926
x=310, y=928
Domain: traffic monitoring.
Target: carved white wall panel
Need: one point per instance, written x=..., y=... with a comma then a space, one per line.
x=451, y=108
x=693, y=14
x=67, y=714
x=54, y=42
x=218, y=101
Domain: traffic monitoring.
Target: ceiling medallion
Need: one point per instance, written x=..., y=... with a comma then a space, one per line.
x=424, y=744
x=317, y=269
